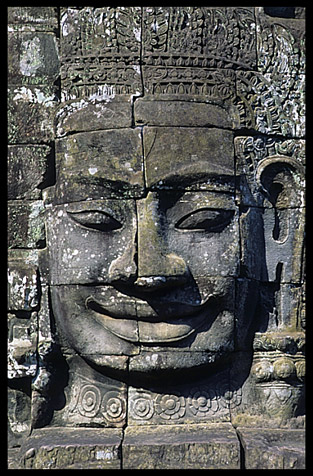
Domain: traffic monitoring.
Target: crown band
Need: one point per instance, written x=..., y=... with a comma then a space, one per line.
x=161, y=50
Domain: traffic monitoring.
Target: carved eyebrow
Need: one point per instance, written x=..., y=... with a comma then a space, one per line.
x=112, y=188
x=188, y=178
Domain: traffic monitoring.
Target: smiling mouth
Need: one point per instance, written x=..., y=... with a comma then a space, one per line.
x=147, y=323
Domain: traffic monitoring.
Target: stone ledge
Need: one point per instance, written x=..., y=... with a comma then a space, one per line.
x=67, y=448
x=273, y=448
x=198, y=446
x=195, y=446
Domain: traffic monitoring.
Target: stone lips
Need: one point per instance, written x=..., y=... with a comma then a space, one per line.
x=165, y=328
x=137, y=322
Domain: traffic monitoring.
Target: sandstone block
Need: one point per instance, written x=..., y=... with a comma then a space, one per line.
x=194, y=447
x=33, y=58
x=171, y=154
x=30, y=113
x=273, y=448
x=28, y=167
x=26, y=228
x=84, y=448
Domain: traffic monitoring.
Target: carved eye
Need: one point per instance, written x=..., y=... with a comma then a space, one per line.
x=96, y=220
x=206, y=219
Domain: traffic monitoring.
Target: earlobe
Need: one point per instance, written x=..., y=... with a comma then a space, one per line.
x=279, y=181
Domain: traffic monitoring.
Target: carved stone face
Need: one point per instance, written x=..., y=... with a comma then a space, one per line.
x=144, y=250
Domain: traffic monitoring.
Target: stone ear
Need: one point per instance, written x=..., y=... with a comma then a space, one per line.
x=281, y=182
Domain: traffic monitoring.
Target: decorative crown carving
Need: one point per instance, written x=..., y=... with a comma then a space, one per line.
x=165, y=50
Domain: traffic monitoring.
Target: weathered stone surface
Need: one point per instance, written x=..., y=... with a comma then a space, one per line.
x=194, y=447
x=112, y=312
x=269, y=103
x=19, y=414
x=28, y=168
x=273, y=449
x=106, y=333
x=92, y=399
x=161, y=325
x=205, y=36
x=26, y=228
x=94, y=114
x=120, y=323
x=188, y=83
x=45, y=334
x=272, y=384
x=22, y=346
x=13, y=458
x=246, y=295
x=153, y=360
x=113, y=165
x=284, y=233
x=35, y=59
x=23, y=303
x=281, y=43
x=24, y=256
x=183, y=113
x=66, y=448
x=103, y=37
x=187, y=155
x=211, y=399
x=278, y=255
x=279, y=367
x=288, y=342
x=30, y=113
x=87, y=221
x=282, y=307
x=37, y=18
x=271, y=176
x=22, y=282
x=253, y=153
x=189, y=223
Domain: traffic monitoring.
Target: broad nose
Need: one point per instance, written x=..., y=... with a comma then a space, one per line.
x=157, y=266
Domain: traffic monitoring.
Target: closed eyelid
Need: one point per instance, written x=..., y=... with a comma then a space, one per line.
x=95, y=219
x=208, y=219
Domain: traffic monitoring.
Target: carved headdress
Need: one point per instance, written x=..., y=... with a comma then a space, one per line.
x=155, y=50
x=197, y=54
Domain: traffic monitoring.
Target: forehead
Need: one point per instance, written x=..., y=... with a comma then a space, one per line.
x=123, y=162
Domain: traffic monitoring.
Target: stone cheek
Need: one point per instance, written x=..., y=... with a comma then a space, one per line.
x=217, y=252
x=87, y=254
